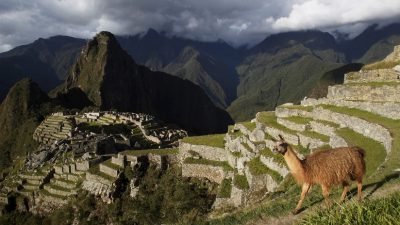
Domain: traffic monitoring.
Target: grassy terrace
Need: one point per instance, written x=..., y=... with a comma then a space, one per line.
x=95, y=170
x=277, y=158
x=222, y=164
x=298, y=119
x=381, y=65
x=392, y=125
x=109, y=164
x=46, y=193
x=225, y=189
x=165, y=151
x=328, y=123
x=258, y=168
x=240, y=181
x=56, y=187
x=249, y=125
x=300, y=107
x=215, y=140
x=269, y=118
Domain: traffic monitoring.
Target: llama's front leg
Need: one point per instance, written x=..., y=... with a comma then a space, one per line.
x=304, y=190
x=359, y=189
x=344, y=193
x=325, y=193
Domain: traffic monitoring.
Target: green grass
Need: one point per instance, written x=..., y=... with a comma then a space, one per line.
x=298, y=119
x=203, y=161
x=392, y=125
x=277, y=158
x=269, y=119
x=109, y=164
x=240, y=181
x=370, y=212
x=328, y=123
x=236, y=154
x=247, y=146
x=316, y=135
x=214, y=140
x=381, y=65
x=165, y=151
x=258, y=168
x=249, y=125
x=225, y=189
x=299, y=107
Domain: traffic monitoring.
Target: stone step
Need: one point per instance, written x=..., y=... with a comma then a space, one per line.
x=110, y=168
x=64, y=183
x=361, y=126
x=68, y=176
x=288, y=110
x=26, y=193
x=366, y=92
x=386, y=109
x=30, y=187
x=307, y=139
x=53, y=198
x=273, y=165
x=58, y=190
x=377, y=75
x=34, y=182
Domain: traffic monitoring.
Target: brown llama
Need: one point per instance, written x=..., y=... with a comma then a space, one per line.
x=327, y=168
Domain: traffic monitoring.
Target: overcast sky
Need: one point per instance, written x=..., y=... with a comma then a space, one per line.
x=236, y=21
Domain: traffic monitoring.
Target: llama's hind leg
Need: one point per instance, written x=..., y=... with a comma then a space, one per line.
x=304, y=190
x=344, y=193
x=325, y=193
x=359, y=189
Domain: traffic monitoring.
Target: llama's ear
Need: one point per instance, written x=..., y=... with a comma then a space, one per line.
x=273, y=139
x=280, y=137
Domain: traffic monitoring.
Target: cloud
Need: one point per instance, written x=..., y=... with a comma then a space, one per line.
x=313, y=14
x=236, y=21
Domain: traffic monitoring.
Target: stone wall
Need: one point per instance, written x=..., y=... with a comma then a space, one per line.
x=386, y=109
x=213, y=173
x=108, y=170
x=382, y=93
x=269, y=162
x=289, y=112
x=291, y=125
x=206, y=152
x=395, y=55
x=379, y=75
x=373, y=131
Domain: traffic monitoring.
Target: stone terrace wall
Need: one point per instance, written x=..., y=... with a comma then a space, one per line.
x=212, y=173
x=207, y=152
x=386, y=109
x=384, y=93
x=379, y=75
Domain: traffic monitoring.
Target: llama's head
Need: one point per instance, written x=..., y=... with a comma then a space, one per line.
x=280, y=146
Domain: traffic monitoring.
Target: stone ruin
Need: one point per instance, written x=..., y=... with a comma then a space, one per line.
x=88, y=151
x=245, y=164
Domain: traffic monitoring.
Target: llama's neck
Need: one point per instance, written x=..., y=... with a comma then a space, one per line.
x=294, y=164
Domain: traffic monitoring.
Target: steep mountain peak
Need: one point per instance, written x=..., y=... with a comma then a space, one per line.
x=23, y=98
x=110, y=79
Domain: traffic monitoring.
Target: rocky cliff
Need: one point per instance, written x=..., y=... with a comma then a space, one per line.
x=112, y=80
